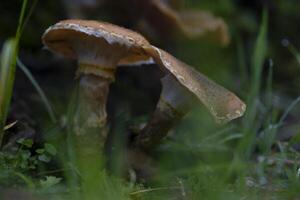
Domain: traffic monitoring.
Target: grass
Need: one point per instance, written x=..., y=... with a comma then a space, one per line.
x=292, y=49
x=7, y=81
x=39, y=90
x=8, y=67
x=246, y=144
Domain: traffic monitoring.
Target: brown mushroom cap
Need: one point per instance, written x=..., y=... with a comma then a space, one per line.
x=71, y=38
x=203, y=23
x=223, y=104
x=190, y=23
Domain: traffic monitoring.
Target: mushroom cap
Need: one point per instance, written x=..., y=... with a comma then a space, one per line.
x=223, y=104
x=189, y=23
x=204, y=24
x=57, y=37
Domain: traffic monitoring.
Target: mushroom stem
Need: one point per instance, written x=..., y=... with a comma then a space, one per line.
x=91, y=110
x=90, y=133
x=175, y=101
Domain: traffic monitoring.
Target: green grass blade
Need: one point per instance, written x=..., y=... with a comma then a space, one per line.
x=286, y=43
x=257, y=66
x=7, y=76
x=246, y=144
x=267, y=136
x=21, y=20
x=270, y=86
x=69, y=160
x=8, y=68
x=288, y=110
x=25, y=21
x=295, y=52
x=38, y=89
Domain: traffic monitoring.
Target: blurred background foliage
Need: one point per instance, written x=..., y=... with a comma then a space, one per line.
x=198, y=159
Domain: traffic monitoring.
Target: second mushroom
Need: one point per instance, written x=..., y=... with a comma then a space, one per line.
x=179, y=86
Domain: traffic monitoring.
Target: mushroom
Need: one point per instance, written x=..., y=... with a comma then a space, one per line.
x=98, y=48
x=185, y=23
x=180, y=83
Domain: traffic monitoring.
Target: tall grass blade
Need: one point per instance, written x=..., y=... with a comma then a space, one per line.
x=26, y=20
x=257, y=66
x=21, y=20
x=268, y=135
x=288, y=110
x=270, y=86
x=8, y=68
x=286, y=43
x=68, y=158
x=38, y=89
x=246, y=144
x=295, y=52
x=7, y=76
